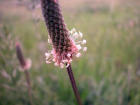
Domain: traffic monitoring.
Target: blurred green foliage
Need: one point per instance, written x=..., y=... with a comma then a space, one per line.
x=107, y=74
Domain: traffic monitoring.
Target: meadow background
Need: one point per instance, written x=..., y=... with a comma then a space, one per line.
x=107, y=74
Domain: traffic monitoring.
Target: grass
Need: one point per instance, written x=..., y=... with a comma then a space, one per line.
x=108, y=74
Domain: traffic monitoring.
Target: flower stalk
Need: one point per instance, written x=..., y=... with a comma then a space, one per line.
x=25, y=65
x=73, y=83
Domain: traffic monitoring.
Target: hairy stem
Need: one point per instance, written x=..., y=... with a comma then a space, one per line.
x=73, y=83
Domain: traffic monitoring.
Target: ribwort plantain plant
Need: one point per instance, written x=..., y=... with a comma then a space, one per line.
x=65, y=43
x=25, y=65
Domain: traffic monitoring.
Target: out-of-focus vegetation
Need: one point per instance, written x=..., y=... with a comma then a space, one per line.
x=107, y=74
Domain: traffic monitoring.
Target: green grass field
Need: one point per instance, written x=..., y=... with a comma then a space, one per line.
x=107, y=74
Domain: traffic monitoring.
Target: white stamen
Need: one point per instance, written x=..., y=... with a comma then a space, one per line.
x=65, y=61
x=80, y=34
x=79, y=47
x=70, y=60
x=67, y=65
x=49, y=41
x=75, y=34
x=78, y=55
x=54, y=60
x=52, y=51
x=48, y=62
x=47, y=58
x=84, y=42
x=47, y=54
x=62, y=65
x=73, y=30
x=56, y=64
x=85, y=49
x=68, y=55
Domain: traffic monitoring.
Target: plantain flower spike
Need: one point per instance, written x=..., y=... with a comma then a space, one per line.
x=66, y=44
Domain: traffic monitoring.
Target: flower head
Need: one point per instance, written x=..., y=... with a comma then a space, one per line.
x=25, y=64
x=65, y=43
x=60, y=58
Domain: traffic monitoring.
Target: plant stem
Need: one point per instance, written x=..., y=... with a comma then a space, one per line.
x=73, y=83
x=27, y=76
x=23, y=64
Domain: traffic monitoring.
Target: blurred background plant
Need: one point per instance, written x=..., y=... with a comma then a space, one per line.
x=108, y=74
